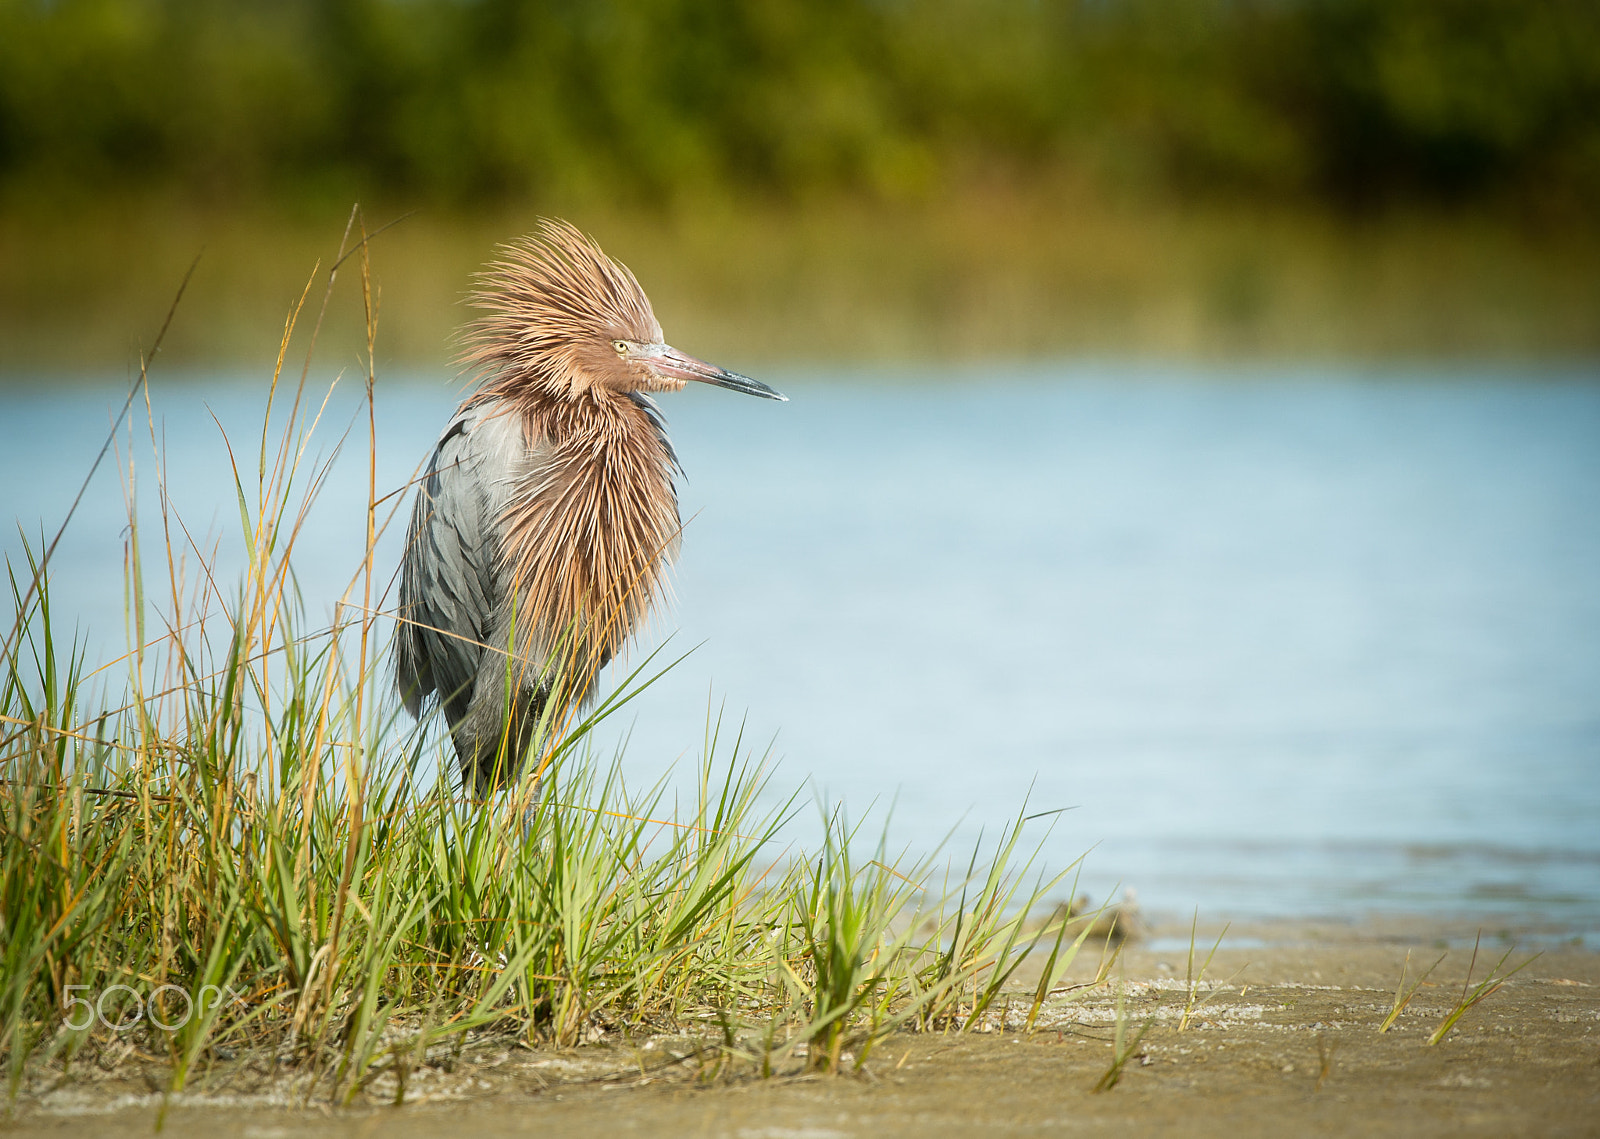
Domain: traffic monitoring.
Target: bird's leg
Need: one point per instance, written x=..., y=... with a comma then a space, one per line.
x=487, y=735
x=493, y=745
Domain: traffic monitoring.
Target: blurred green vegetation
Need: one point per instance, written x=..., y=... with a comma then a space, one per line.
x=977, y=176
x=1355, y=102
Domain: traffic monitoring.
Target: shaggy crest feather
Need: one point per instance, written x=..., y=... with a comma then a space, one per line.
x=547, y=294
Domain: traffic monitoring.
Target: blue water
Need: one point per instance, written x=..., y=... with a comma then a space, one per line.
x=1294, y=642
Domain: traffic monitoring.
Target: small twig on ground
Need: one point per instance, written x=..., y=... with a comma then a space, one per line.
x=1325, y=1050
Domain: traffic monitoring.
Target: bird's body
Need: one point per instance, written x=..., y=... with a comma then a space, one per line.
x=547, y=516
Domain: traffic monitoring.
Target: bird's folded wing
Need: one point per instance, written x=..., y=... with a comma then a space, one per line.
x=449, y=588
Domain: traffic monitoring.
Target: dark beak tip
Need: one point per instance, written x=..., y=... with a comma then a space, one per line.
x=746, y=386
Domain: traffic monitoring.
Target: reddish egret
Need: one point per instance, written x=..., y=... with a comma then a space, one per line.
x=547, y=517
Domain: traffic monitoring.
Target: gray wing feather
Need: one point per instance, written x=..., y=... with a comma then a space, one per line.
x=449, y=589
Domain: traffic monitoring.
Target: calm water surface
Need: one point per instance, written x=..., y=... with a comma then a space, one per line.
x=1298, y=643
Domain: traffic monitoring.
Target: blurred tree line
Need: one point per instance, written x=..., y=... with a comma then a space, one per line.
x=1355, y=103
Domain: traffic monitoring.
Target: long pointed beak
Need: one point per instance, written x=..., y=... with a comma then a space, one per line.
x=681, y=366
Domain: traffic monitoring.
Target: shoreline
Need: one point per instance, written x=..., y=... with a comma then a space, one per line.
x=971, y=275
x=1282, y=1038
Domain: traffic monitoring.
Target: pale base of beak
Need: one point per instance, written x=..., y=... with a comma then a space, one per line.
x=669, y=363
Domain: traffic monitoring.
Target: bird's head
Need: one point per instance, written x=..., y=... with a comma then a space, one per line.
x=563, y=318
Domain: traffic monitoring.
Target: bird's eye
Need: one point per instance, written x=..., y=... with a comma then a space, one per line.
x=621, y=346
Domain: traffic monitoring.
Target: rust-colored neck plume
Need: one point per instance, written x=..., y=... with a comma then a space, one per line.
x=590, y=531
x=592, y=522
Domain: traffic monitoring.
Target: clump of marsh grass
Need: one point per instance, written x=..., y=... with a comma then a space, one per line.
x=1403, y=995
x=868, y=948
x=980, y=928
x=840, y=952
x=1486, y=988
x=1470, y=997
x=1062, y=955
x=1195, y=978
x=237, y=855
